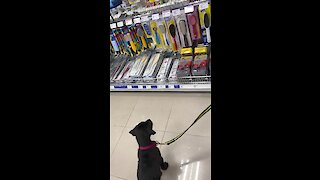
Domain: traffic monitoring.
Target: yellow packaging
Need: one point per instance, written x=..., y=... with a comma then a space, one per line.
x=164, y=36
x=156, y=34
x=175, y=45
x=186, y=51
x=200, y=50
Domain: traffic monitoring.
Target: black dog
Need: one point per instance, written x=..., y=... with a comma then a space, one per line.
x=150, y=160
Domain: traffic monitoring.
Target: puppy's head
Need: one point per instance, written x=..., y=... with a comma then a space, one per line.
x=143, y=129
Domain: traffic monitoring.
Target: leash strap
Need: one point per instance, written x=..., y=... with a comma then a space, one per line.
x=181, y=134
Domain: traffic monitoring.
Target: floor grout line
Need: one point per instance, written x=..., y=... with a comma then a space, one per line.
x=118, y=177
x=164, y=131
x=167, y=121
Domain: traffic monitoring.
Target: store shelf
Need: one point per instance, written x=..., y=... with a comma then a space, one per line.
x=200, y=83
x=142, y=11
x=162, y=87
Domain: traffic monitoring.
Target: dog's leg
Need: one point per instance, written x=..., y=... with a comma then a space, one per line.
x=164, y=165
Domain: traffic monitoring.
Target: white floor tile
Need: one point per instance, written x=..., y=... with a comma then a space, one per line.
x=186, y=109
x=171, y=112
x=156, y=107
x=189, y=158
x=115, y=133
x=124, y=161
x=121, y=106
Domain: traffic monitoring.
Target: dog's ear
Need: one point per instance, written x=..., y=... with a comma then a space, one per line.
x=133, y=132
x=149, y=127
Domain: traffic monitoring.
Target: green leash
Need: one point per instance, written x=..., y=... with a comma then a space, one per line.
x=177, y=137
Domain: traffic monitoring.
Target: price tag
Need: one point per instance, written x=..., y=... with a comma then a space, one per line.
x=155, y=16
x=176, y=12
x=113, y=25
x=188, y=9
x=130, y=12
x=161, y=86
x=204, y=5
x=144, y=18
x=148, y=87
x=137, y=20
x=166, y=13
x=128, y=22
x=120, y=24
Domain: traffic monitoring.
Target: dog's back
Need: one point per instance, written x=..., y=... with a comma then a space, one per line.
x=149, y=164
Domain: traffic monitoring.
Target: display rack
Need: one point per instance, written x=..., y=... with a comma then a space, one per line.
x=189, y=83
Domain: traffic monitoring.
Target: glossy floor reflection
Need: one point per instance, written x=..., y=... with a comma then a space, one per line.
x=189, y=158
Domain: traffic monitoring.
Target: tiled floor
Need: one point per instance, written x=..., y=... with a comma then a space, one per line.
x=189, y=158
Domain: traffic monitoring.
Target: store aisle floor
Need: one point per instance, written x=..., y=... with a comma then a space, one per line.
x=189, y=158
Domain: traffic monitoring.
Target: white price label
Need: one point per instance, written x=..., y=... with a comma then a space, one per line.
x=137, y=20
x=113, y=25
x=120, y=24
x=128, y=22
x=148, y=86
x=176, y=12
x=155, y=16
x=161, y=86
x=144, y=18
x=188, y=9
x=130, y=12
x=204, y=5
x=166, y=13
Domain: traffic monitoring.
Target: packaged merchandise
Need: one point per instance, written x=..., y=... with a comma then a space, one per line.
x=153, y=67
x=156, y=34
x=139, y=65
x=164, y=69
x=194, y=26
x=183, y=29
x=148, y=33
x=173, y=72
x=185, y=63
x=200, y=62
x=205, y=22
x=173, y=34
x=165, y=39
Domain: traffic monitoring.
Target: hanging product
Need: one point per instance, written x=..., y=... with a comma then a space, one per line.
x=194, y=27
x=142, y=36
x=183, y=29
x=147, y=30
x=162, y=30
x=156, y=34
x=205, y=18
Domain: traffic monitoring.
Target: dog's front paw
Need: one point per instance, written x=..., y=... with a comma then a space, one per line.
x=164, y=166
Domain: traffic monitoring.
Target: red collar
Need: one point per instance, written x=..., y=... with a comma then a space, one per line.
x=144, y=148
